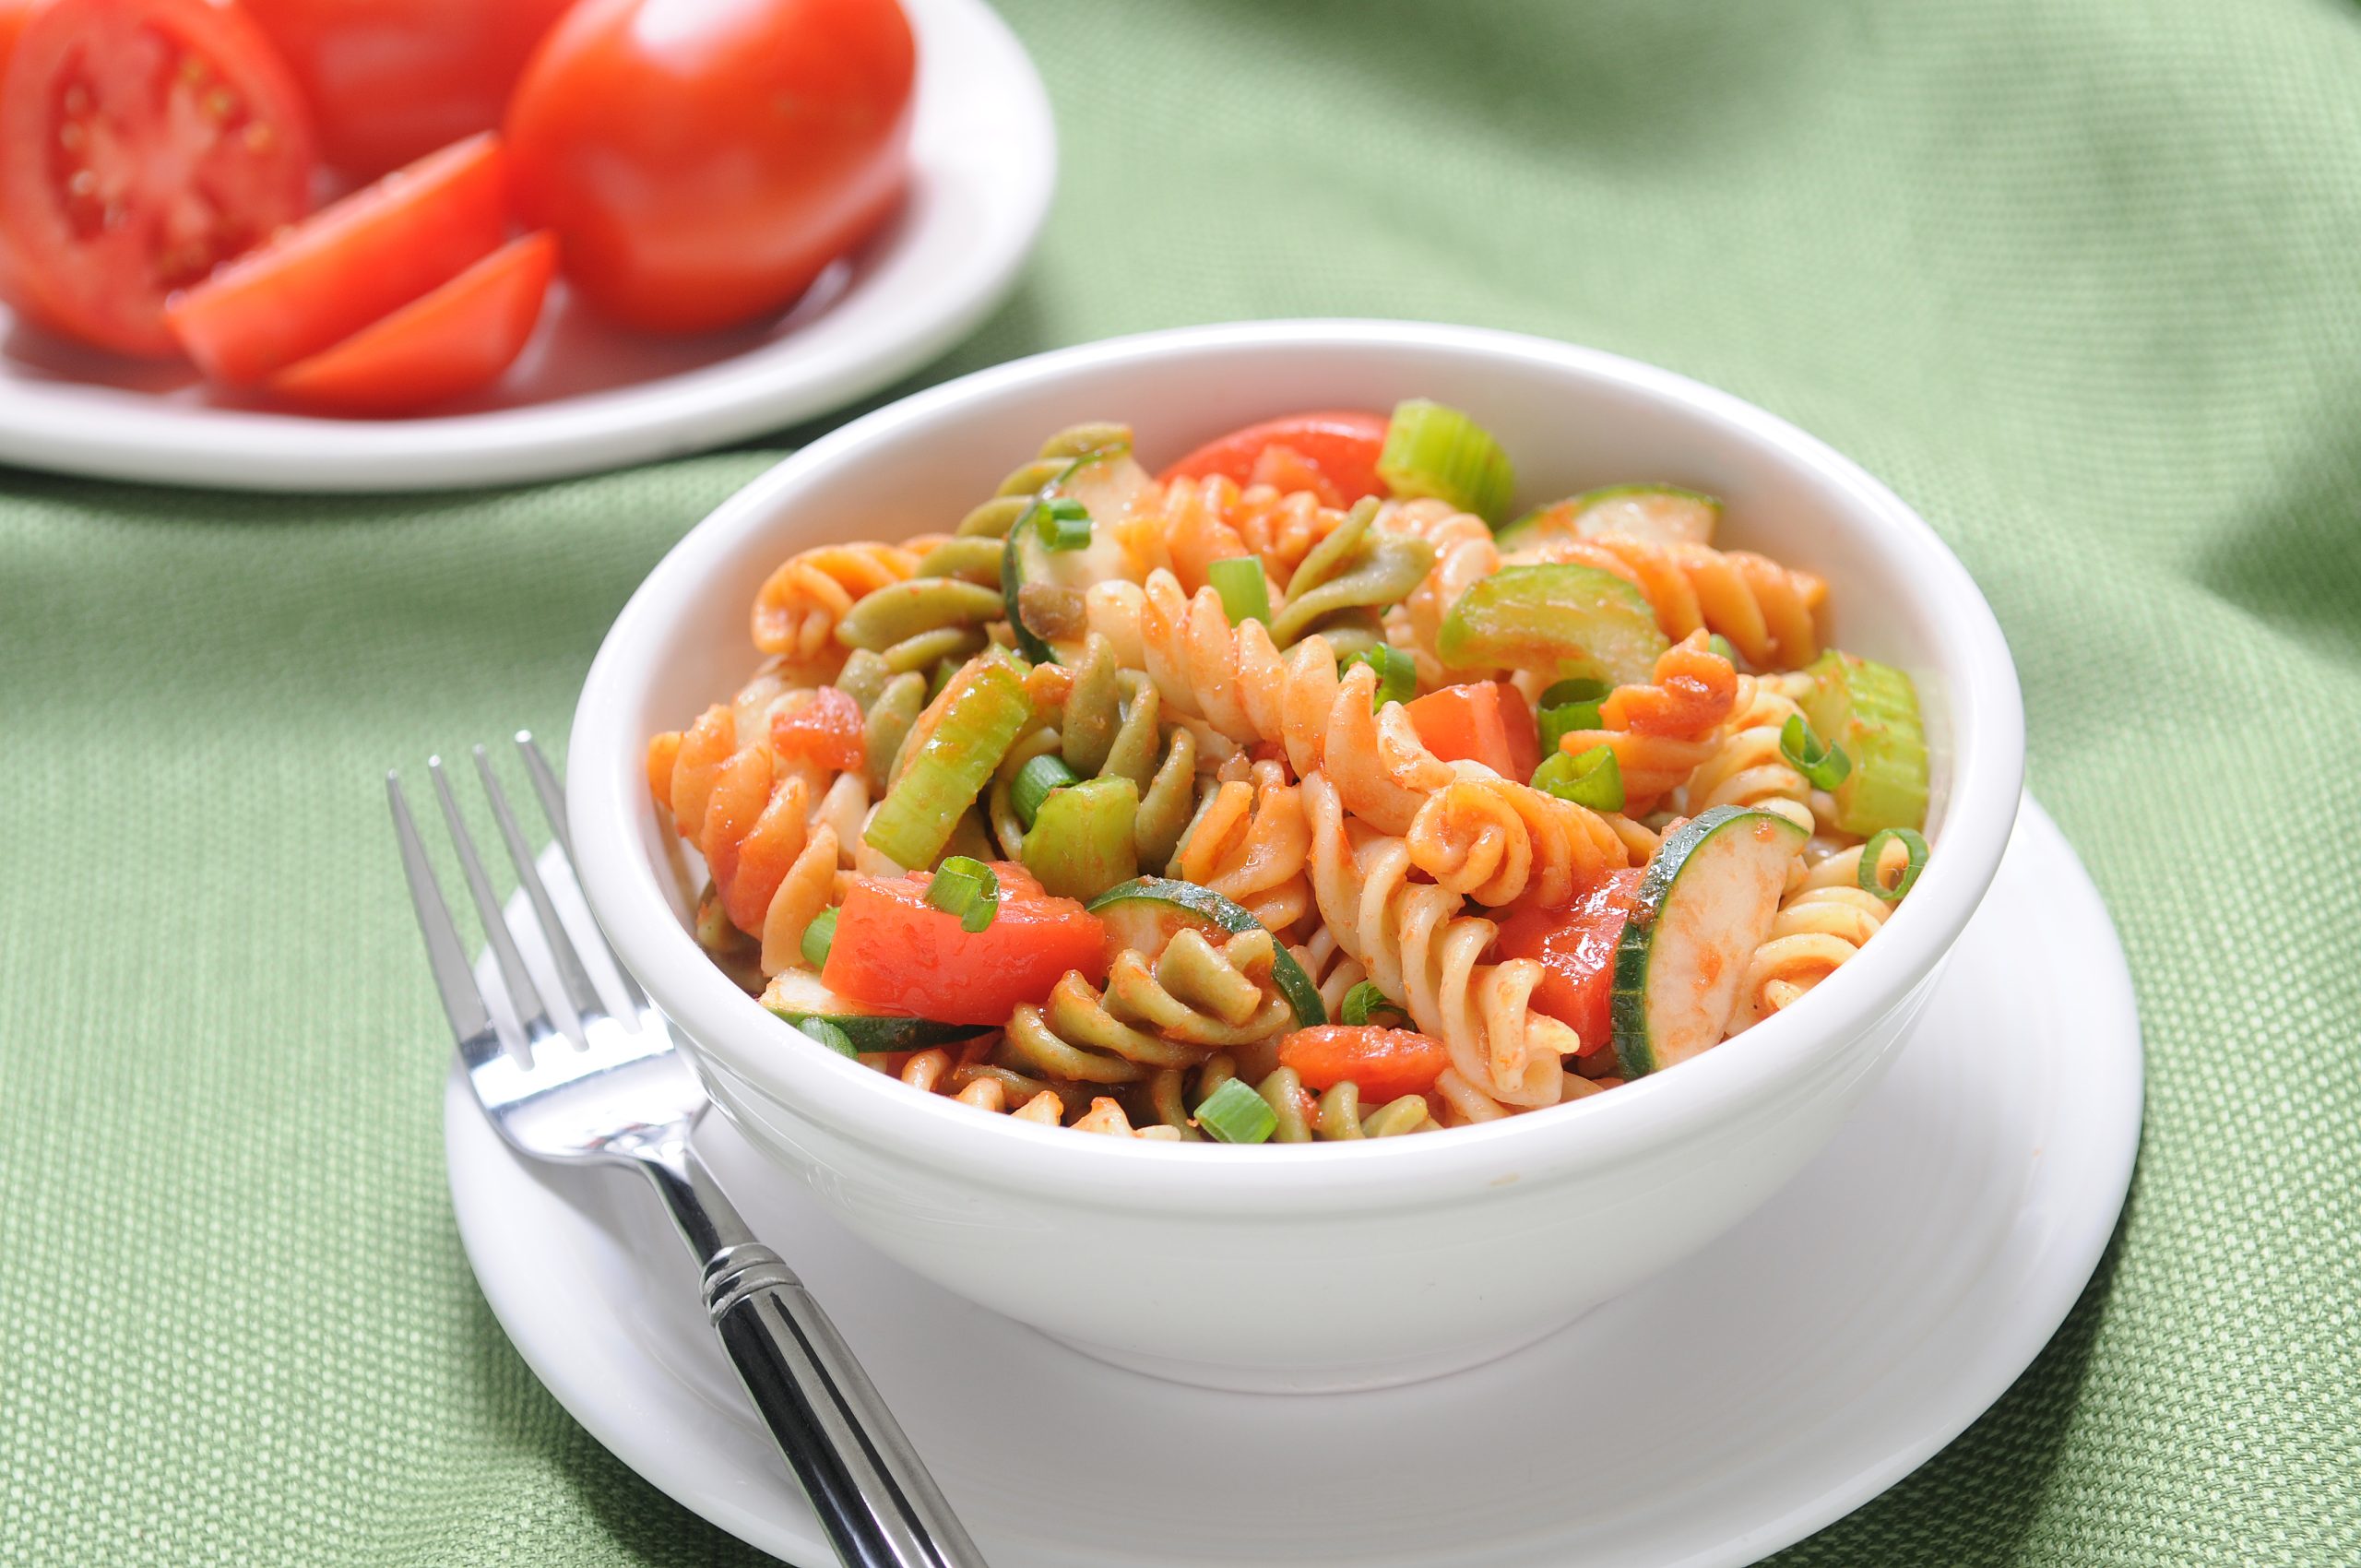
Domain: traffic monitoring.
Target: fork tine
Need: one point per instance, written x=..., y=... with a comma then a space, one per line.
x=571, y=975
x=552, y=798
x=532, y=1011
x=462, y=1003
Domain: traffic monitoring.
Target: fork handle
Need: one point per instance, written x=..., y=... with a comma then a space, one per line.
x=871, y=1491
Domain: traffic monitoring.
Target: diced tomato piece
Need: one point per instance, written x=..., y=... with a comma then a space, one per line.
x=827, y=732
x=1576, y=949
x=1340, y=446
x=448, y=341
x=1481, y=721
x=894, y=951
x=1382, y=1064
x=367, y=255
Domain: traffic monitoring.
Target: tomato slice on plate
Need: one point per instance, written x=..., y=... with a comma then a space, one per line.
x=1334, y=452
x=347, y=264
x=142, y=143
x=449, y=341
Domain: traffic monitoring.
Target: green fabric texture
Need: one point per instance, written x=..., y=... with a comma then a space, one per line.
x=2081, y=281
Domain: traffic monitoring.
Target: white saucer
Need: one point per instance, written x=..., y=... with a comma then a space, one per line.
x=584, y=397
x=1799, y=1366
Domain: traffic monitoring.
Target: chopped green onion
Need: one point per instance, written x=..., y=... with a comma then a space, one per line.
x=1234, y=1113
x=1034, y=782
x=1872, y=876
x=1721, y=645
x=1824, y=764
x=1594, y=779
x=1364, y=1002
x=1245, y=592
x=1064, y=524
x=818, y=937
x=1569, y=706
x=827, y=1034
x=1433, y=450
x=1397, y=672
x=968, y=888
x=1563, y=691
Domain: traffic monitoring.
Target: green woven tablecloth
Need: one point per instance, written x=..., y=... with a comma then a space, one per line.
x=2081, y=281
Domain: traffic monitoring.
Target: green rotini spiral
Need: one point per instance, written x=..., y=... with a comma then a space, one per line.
x=1347, y=579
x=1111, y=726
x=997, y=516
x=1193, y=999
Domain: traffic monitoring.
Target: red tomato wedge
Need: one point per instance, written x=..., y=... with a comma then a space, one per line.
x=142, y=143
x=1338, y=446
x=1481, y=721
x=449, y=341
x=347, y=264
x=1576, y=948
x=828, y=731
x=391, y=80
x=1382, y=1064
x=894, y=951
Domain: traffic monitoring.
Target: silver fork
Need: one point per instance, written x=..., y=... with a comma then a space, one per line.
x=623, y=1096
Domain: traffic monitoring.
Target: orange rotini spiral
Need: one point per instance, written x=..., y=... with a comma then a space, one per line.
x=1661, y=730
x=1238, y=681
x=1420, y=948
x=1192, y=523
x=1497, y=842
x=1767, y=611
x=797, y=611
x=1250, y=844
x=770, y=832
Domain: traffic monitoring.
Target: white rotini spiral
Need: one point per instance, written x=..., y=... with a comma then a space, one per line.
x=1418, y=946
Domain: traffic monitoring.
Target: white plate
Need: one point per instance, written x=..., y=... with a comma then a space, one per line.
x=1780, y=1379
x=983, y=154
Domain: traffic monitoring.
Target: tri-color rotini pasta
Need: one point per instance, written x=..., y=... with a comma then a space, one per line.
x=1294, y=794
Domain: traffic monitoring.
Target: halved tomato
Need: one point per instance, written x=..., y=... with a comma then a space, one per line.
x=449, y=341
x=1336, y=448
x=347, y=264
x=142, y=143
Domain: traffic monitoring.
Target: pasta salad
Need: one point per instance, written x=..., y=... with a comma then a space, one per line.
x=1296, y=792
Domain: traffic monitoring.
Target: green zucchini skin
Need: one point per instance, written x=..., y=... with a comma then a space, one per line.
x=1204, y=904
x=1700, y=864
x=794, y=997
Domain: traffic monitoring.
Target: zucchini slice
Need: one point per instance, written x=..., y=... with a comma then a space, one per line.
x=1871, y=710
x=795, y=996
x=1150, y=908
x=1104, y=483
x=1705, y=904
x=1559, y=621
x=1661, y=513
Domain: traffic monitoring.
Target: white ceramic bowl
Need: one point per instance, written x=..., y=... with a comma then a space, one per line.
x=1318, y=1266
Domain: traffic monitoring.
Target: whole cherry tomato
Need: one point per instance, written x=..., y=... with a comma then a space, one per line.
x=701, y=161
